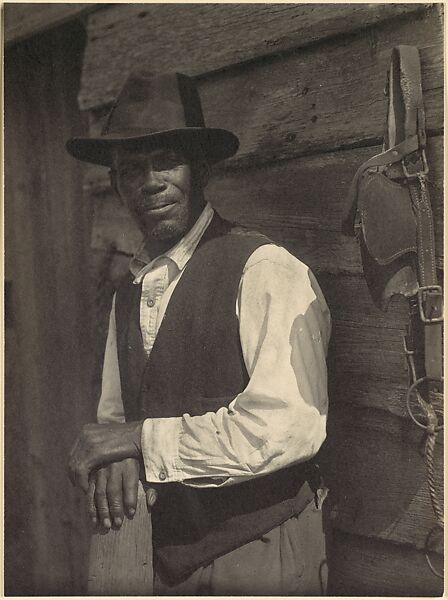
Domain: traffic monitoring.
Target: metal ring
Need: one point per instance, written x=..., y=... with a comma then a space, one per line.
x=408, y=404
x=427, y=550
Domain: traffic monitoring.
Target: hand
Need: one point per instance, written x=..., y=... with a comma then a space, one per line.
x=100, y=445
x=112, y=493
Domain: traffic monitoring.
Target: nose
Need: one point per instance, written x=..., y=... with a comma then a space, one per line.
x=153, y=182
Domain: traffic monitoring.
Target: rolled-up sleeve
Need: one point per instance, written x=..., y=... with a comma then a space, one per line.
x=280, y=417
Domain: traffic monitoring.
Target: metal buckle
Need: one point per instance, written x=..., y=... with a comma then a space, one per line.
x=424, y=171
x=435, y=290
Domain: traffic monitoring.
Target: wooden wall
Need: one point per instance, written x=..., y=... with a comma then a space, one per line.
x=22, y=21
x=302, y=87
x=49, y=358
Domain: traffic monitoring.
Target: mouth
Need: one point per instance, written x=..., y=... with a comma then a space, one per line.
x=157, y=208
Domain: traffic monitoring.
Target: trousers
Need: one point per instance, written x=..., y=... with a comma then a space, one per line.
x=287, y=561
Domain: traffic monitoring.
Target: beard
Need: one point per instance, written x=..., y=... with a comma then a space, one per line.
x=166, y=231
x=168, y=228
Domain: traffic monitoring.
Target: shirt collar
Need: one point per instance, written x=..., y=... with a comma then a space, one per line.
x=180, y=254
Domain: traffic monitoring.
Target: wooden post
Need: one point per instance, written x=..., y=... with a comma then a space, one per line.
x=121, y=561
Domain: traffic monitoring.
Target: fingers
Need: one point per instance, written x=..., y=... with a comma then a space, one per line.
x=130, y=485
x=100, y=498
x=91, y=507
x=114, y=493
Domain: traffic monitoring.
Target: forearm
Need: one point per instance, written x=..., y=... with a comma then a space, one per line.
x=190, y=449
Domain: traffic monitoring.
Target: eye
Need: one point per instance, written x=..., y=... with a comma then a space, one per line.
x=166, y=161
x=129, y=169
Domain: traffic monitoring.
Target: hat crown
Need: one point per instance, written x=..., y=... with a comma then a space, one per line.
x=154, y=110
x=152, y=102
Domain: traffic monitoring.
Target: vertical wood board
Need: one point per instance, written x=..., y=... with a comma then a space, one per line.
x=48, y=227
x=120, y=562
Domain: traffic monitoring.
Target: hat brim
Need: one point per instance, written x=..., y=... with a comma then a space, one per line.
x=211, y=143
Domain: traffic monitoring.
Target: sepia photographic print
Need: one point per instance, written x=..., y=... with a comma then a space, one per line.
x=223, y=228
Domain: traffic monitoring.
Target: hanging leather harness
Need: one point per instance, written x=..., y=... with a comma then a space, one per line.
x=392, y=218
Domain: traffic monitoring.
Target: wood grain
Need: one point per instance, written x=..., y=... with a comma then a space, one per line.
x=365, y=567
x=121, y=561
x=199, y=39
x=300, y=203
x=25, y=20
x=366, y=363
x=49, y=396
x=325, y=97
x=376, y=472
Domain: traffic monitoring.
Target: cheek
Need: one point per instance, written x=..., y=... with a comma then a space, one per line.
x=183, y=180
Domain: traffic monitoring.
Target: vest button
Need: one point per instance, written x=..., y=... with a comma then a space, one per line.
x=150, y=302
x=162, y=475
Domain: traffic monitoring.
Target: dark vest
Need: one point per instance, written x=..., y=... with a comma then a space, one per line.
x=197, y=366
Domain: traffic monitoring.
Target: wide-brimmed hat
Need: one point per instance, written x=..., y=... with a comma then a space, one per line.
x=156, y=110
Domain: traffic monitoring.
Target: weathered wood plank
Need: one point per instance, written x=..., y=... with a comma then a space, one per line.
x=25, y=19
x=364, y=567
x=328, y=251
x=121, y=561
x=321, y=98
x=365, y=361
x=324, y=97
x=48, y=245
x=375, y=469
x=299, y=202
x=202, y=38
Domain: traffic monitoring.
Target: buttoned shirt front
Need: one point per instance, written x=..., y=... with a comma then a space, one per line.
x=280, y=417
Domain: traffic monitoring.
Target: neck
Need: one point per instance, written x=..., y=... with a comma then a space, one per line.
x=157, y=247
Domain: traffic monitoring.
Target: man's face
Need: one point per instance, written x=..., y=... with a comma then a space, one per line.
x=160, y=190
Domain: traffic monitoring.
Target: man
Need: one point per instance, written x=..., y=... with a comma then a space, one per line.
x=214, y=373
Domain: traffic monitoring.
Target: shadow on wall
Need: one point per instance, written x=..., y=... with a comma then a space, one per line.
x=48, y=342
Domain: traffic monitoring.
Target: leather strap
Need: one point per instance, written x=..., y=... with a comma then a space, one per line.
x=406, y=115
x=429, y=297
x=403, y=156
x=405, y=127
x=406, y=119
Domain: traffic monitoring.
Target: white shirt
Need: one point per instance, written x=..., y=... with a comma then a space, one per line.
x=280, y=417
